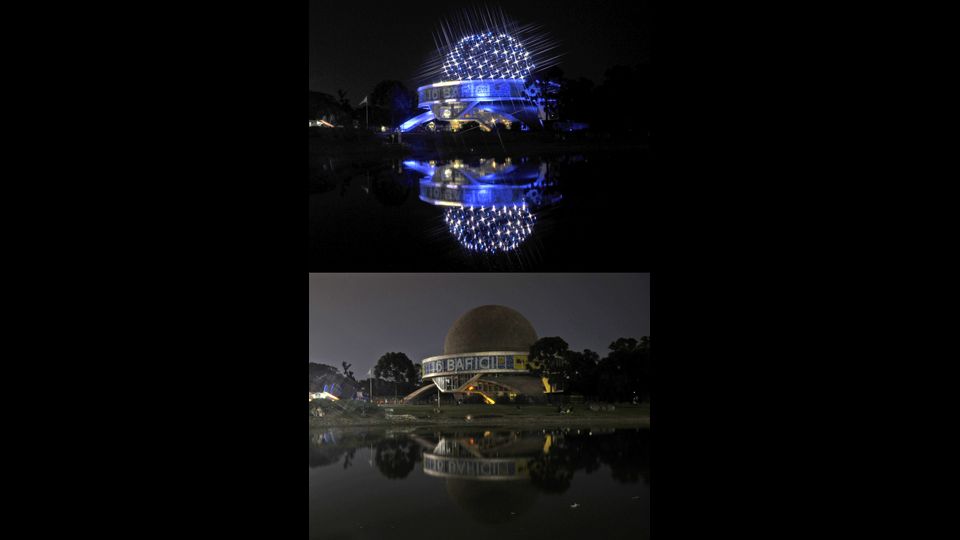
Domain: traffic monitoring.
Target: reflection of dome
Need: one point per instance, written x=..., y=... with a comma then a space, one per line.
x=490, y=230
x=488, y=56
x=490, y=328
x=491, y=502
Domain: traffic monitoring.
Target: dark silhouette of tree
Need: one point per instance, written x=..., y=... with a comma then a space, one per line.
x=344, y=100
x=397, y=368
x=582, y=372
x=548, y=358
x=546, y=85
x=627, y=453
x=625, y=372
x=322, y=375
x=323, y=106
x=346, y=371
x=623, y=82
x=391, y=103
x=551, y=472
x=575, y=100
x=323, y=453
x=390, y=188
x=396, y=458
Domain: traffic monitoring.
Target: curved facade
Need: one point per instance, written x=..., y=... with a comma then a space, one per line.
x=485, y=353
x=486, y=102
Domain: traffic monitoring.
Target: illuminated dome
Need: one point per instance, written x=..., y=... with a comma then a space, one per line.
x=487, y=56
x=490, y=328
x=490, y=230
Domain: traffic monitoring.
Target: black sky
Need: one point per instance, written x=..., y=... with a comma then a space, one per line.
x=354, y=45
x=356, y=318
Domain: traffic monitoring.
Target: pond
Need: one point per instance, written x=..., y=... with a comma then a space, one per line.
x=514, y=213
x=479, y=482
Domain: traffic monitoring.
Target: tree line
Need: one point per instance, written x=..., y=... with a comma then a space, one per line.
x=622, y=375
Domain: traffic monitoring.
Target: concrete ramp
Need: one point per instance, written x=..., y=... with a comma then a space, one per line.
x=416, y=121
x=417, y=392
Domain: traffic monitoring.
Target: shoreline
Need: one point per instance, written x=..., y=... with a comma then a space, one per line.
x=600, y=420
x=485, y=422
x=446, y=146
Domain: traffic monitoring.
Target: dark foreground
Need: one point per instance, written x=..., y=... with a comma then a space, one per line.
x=591, y=482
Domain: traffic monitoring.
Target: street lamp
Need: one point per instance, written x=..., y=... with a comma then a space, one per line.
x=370, y=378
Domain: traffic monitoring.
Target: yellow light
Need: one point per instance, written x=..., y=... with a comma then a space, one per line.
x=486, y=398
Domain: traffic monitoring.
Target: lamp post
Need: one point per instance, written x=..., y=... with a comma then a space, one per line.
x=370, y=378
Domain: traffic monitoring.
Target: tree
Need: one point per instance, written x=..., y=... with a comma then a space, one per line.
x=346, y=371
x=544, y=88
x=391, y=188
x=324, y=377
x=575, y=100
x=582, y=372
x=344, y=100
x=396, y=458
x=622, y=81
x=625, y=373
x=548, y=358
x=396, y=367
x=391, y=103
x=624, y=344
x=326, y=107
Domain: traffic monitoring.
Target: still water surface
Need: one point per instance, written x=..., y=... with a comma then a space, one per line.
x=479, y=483
x=478, y=213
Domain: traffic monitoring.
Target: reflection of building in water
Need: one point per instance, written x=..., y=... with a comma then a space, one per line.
x=487, y=475
x=490, y=230
x=486, y=353
x=489, y=203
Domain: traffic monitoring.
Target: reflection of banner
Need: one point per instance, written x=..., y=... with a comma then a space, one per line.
x=474, y=363
x=479, y=469
x=472, y=195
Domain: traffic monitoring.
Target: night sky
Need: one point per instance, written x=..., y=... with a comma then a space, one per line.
x=354, y=45
x=356, y=318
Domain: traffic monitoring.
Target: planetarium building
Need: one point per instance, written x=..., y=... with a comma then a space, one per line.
x=485, y=353
x=483, y=81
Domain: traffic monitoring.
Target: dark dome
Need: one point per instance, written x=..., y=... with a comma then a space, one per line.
x=489, y=328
